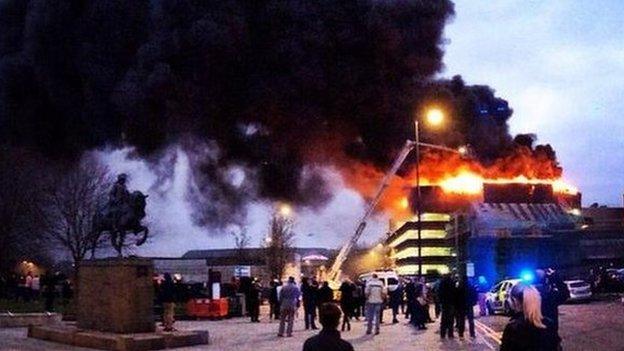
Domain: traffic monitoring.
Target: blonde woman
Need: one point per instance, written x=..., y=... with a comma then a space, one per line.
x=528, y=329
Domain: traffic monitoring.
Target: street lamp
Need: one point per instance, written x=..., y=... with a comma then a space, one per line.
x=434, y=117
x=285, y=210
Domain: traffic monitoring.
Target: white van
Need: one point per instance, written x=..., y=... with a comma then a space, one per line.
x=389, y=278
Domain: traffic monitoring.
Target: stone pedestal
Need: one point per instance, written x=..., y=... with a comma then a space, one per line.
x=116, y=295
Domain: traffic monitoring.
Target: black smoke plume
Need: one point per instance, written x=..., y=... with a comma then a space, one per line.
x=272, y=87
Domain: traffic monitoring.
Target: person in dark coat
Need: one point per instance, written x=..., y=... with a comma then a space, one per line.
x=528, y=330
x=410, y=297
x=168, y=298
x=359, y=300
x=329, y=337
x=465, y=299
x=254, y=301
x=395, y=301
x=346, y=303
x=309, y=292
x=553, y=291
x=274, y=309
x=49, y=291
x=325, y=294
x=419, y=305
x=447, y=292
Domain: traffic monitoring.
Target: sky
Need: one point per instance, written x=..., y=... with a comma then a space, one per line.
x=560, y=64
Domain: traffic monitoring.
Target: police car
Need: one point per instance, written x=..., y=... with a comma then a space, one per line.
x=498, y=299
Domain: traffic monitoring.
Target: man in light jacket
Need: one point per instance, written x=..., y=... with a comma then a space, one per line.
x=288, y=298
x=375, y=296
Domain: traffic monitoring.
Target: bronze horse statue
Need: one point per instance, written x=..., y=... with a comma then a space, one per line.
x=118, y=222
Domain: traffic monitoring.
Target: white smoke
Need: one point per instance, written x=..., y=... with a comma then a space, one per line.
x=169, y=211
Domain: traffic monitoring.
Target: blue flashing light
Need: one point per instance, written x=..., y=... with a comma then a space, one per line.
x=527, y=276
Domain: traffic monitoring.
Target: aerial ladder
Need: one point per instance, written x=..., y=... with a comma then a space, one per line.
x=333, y=275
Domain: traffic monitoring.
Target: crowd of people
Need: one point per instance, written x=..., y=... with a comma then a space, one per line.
x=533, y=326
x=33, y=287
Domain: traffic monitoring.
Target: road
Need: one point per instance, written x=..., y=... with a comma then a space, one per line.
x=597, y=325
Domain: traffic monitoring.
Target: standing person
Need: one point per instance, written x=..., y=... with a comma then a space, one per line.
x=167, y=296
x=403, y=301
x=418, y=306
x=309, y=292
x=346, y=303
x=446, y=292
x=435, y=292
x=527, y=329
x=36, y=287
x=325, y=294
x=472, y=299
x=360, y=300
x=553, y=292
x=482, y=289
x=465, y=299
x=67, y=292
x=329, y=337
x=288, y=299
x=410, y=297
x=49, y=291
x=255, y=289
x=396, y=300
x=273, y=301
x=28, y=283
x=375, y=295
x=426, y=294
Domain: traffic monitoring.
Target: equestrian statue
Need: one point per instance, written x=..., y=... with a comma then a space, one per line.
x=121, y=215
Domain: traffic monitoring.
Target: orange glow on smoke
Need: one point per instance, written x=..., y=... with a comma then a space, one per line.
x=455, y=175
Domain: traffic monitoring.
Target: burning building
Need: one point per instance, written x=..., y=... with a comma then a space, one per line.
x=500, y=227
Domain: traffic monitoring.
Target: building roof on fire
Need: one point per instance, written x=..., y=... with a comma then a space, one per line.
x=520, y=219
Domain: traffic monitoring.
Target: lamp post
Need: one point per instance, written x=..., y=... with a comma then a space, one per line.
x=434, y=117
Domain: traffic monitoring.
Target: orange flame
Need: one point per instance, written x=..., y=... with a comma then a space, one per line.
x=454, y=175
x=470, y=183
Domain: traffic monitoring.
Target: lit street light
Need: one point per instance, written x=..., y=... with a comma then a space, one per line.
x=435, y=116
x=285, y=210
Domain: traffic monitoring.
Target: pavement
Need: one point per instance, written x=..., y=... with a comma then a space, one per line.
x=595, y=325
x=240, y=334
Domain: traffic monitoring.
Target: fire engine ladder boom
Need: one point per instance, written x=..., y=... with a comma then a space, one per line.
x=334, y=273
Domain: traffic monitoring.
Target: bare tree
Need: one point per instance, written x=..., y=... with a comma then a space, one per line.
x=241, y=242
x=72, y=198
x=278, y=244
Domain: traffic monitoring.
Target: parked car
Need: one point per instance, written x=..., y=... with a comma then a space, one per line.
x=389, y=278
x=498, y=298
x=579, y=290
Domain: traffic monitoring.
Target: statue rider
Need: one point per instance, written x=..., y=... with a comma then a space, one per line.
x=118, y=198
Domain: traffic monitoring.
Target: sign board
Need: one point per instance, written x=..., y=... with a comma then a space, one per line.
x=242, y=271
x=470, y=269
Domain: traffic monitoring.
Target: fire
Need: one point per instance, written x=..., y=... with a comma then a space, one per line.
x=464, y=183
x=455, y=175
x=470, y=183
